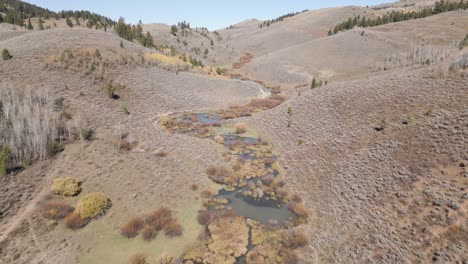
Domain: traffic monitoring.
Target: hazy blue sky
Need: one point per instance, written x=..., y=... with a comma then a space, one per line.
x=213, y=14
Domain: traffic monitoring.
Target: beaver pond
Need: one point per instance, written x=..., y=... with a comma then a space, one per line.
x=252, y=209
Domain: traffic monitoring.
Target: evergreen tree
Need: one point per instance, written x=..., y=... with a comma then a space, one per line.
x=148, y=40
x=69, y=22
x=40, y=24
x=314, y=84
x=174, y=30
x=30, y=26
x=6, y=54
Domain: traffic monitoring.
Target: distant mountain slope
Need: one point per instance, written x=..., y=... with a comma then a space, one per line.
x=250, y=37
x=353, y=53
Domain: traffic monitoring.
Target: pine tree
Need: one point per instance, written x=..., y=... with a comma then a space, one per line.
x=69, y=22
x=30, y=26
x=314, y=84
x=149, y=42
x=40, y=24
x=6, y=54
x=174, y=30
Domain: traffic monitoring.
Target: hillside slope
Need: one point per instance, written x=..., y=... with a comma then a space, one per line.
x=352, y=53
x=249, y=37
x=391, y=196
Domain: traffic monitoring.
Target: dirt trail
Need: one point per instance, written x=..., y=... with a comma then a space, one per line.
x=15, y=221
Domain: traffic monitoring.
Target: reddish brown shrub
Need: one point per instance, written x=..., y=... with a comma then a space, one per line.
x=294, y=238
x=268, y=179
x=74, y=221
x=296, y=198
x=56, y=210
x=204, y=217
x=138, y=259
x=132, y=227
x=125, y=145
x=194, y=187
x=299, y=210
x=218, y=173
x=267, y=103
x=289, y=257
x=159, y=218
x=172, y=229
x=206, y=194
x=148, y=233
x=160, y=153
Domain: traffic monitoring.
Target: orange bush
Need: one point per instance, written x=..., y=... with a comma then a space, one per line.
x=74, y=221
x=56, y=210
x=172, y=229
x=299, y=210
x=159, y=218
x=148, y=233
x=296, y=198
x=132, y=227
x=206, y=194
x=138, y=259
x=289, y=257
x=293, y=238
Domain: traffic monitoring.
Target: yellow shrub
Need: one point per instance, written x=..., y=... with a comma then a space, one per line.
x=219, y=139
x=92, y=205
x=67, y=186
x=240, y=127
x=167, y=60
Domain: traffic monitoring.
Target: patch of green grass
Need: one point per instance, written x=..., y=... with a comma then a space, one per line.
x=111, y=247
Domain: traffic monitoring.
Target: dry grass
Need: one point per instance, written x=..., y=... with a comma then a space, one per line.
x=74, y=221
x=56, y=210
x=67, y=186
x=132, y=227
x=92, y=205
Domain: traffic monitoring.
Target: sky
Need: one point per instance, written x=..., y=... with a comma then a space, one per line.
x=212, y=14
